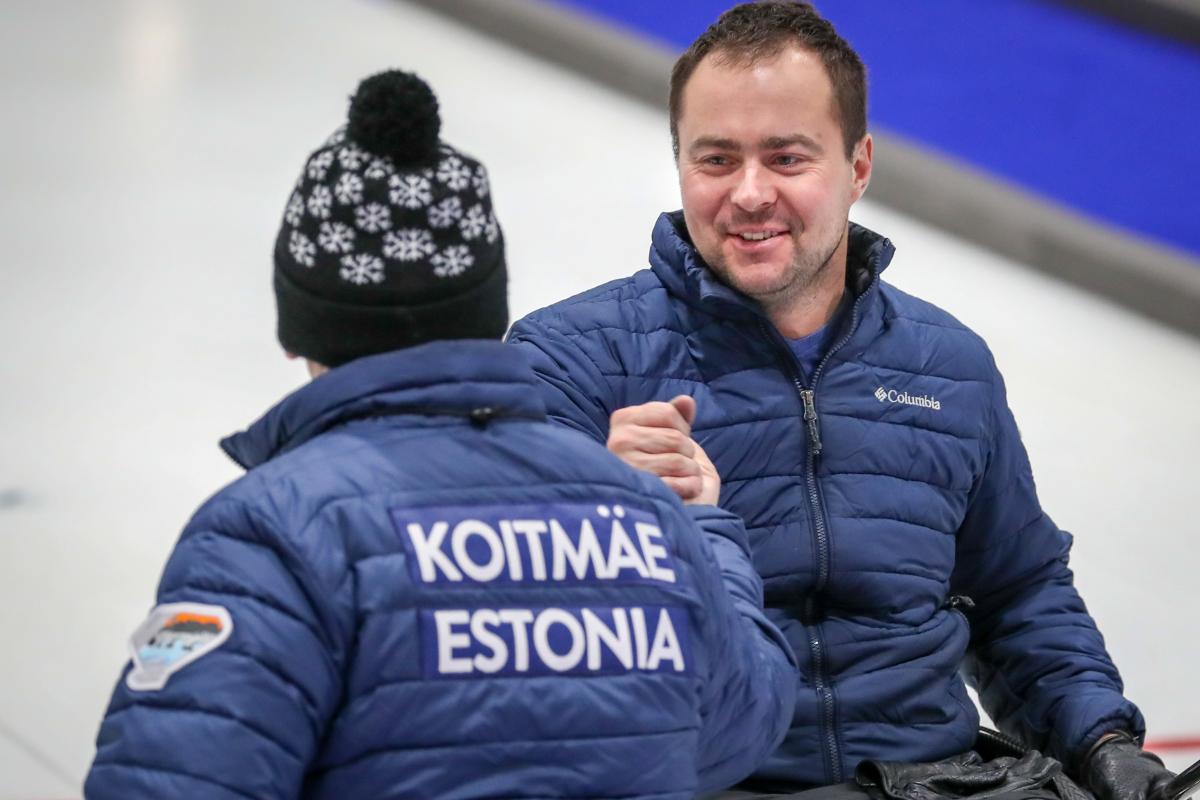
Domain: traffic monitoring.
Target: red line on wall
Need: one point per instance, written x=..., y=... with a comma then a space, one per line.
x=1174, y=743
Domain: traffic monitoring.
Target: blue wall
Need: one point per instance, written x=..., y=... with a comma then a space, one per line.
x=1078, y=109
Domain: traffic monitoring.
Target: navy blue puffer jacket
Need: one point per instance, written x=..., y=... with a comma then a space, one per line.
x=435, y=593
x=881, y=501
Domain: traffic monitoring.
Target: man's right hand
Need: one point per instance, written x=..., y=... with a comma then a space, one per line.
x=657, y=437
x=1118, y=769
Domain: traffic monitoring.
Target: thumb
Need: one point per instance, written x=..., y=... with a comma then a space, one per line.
x=686, y=407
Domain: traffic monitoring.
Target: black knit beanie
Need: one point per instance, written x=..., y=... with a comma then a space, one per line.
x=389, y=239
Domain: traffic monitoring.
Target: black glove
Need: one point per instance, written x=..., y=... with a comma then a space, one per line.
x=1117, y=769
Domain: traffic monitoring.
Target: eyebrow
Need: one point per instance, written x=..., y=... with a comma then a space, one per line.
x=770, y=143
x=783, y=142
x=713, y=143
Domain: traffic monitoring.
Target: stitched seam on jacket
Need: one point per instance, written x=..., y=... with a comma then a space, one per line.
x=619, y=286
x=857, y=570
x=897, y=519
x=383, y=751
x=947, y=489
x=729, y=480
x=509, y=678
x=566, y=335
x=586, y=333
x=947, y=378
x=1073, y=678
x=906, y=425
x=888, y=631
x=117, y=762
x=254, y=728
x=969, y=550
x=201, y=585
x=583, y=352
x=213, y=585
x=290, y=544
x=308, y=699
x=960, y=327
x=475, y=486
x=658, y=376
x=909, y=573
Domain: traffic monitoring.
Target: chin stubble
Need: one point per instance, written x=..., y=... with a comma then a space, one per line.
x=803, y=277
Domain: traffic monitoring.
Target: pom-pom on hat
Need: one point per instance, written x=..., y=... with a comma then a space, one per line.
x=389, y=238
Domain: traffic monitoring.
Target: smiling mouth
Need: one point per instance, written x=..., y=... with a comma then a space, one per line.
x=758, y=236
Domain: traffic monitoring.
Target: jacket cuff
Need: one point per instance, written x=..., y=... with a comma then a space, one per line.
x=719, y=522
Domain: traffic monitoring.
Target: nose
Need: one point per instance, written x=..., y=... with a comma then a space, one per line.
x=755, y=189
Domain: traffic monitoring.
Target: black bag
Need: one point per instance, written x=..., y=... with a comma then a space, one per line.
x=1031, y=776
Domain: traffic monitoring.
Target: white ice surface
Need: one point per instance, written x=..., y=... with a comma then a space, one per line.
x=148, y=151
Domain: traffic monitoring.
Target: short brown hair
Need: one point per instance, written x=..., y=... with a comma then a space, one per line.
x=756, y=31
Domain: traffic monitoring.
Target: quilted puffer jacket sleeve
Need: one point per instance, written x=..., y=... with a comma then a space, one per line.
x=749, y=693
x=575, y=391
x=1036, y=656
x=245, y=719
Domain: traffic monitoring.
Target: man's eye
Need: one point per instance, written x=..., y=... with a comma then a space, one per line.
x=715, y=161
x=788, y=161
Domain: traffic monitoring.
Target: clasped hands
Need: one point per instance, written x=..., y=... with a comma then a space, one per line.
x=657, y=438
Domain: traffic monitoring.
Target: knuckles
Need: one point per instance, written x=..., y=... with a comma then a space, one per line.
x=656, y=414
x=686, y=488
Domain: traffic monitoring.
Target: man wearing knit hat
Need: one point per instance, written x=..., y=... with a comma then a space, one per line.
x=421, y=588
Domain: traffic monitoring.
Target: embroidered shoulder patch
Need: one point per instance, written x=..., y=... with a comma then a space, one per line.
x=173, y=636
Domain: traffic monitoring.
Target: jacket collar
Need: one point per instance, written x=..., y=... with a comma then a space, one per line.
x=456, y=378
x=675, y=261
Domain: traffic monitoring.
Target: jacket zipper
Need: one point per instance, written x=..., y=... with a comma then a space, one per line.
x=808, y=398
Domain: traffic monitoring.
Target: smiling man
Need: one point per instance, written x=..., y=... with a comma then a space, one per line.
x=768, y=182
x=862, y=434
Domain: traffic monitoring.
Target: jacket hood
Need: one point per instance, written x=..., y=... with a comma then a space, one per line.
x=683, y=272
x=454, y=378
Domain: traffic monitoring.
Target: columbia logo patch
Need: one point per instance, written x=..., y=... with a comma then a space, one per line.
x=885, y=395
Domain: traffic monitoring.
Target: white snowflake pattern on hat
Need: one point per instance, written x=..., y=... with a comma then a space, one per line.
x=302, y=249
x=373, y=217
x=454, y=260
x=361, y=269
x=474, y=223
x=379, y=168
x=408, y=244
x=336, y=237
x=351, y=157
x=454, y=173
x=318, y=165
x=410, y=191
x=481, y=183
x=320, y=201
x=349, y=189
x=295, y=209
x=492, y=231
x=446, y=213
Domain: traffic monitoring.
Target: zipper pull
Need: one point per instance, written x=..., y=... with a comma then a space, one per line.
x=810, y=416
x=960, y=602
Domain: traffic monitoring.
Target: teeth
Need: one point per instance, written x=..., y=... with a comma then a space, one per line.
x=757, y=237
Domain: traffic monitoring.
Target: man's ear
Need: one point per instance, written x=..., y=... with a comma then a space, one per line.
x=315, y=369
x=864, y=152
